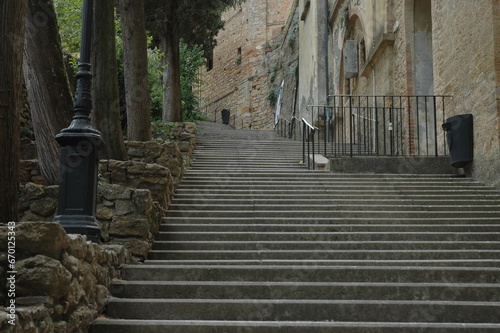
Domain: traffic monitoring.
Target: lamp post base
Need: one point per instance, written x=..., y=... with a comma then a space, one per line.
x=81, y=224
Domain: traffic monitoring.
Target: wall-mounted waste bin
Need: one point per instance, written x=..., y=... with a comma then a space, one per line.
x=225, y=116
x=460, y=137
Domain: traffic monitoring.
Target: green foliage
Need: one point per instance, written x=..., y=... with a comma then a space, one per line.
x=161, y=130
x=272, y=96
x=69, y=17
x=191, y=61
x=155, y=69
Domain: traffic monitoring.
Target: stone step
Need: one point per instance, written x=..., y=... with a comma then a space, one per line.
x=319, y=245
x=252, y=207
x=210, y=179
x=256, y=325
x=311, y=174
x=451, y=196
x=361, y=236
x=348, y=191
x=339, y=273
x=313, y=310
x=229, y=201
x=333, y=220
x=304, y=290
x=424, y=213
x=337, y=186
x=189, y=227
x=336, y=262
x=326, y=254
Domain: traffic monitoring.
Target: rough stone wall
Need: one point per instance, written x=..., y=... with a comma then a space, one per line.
x=166, y=154
x=126, y=216
x=152, y=177
x=465, y=42
x=239, y=78
x=61, y=281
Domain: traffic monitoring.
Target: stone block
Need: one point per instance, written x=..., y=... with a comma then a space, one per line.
x=130, y=227
x=42, y=275
x=44, y=207
x=114, y=192
x=47, y=238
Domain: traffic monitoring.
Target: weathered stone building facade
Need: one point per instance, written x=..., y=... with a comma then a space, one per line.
x=403, y=47
x=243, y=62
x=424, y=47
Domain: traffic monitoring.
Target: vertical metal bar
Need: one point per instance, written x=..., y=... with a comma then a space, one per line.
x=401, y=120
x=426, y=127
x=376, y=128
x=384, y=128
x=325, y=127
x=391, y=130
x=334, y=129
x=418, y=127
x=350, y=126
x=313, y=149
x=303, y=142
x=444, y=134
x=435, y=127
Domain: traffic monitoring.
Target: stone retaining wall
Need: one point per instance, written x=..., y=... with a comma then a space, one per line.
x=127, y=216
x=61, y=281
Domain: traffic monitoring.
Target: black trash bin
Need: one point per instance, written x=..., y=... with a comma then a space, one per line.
x=460, y=137
x=225, y=116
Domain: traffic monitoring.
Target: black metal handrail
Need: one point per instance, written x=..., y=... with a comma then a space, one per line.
x=381, y=125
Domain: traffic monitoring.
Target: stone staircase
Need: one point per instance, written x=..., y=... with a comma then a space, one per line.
x=253, y=242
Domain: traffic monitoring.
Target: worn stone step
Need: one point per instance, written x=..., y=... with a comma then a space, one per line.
x=255, y=325
x=424, y=213
x=311, y=174
x=286, y=273
x=319, y=245
x=338, y=187
x=325, y=254
x=336, y=262
x=305, y=290
x=314, y=310
x=320, y=207
x=328, y=181
x=294, y=200
x=367, y=191
x=450, y=197
x=362, y=236
x=333, y=220
x=188, y=226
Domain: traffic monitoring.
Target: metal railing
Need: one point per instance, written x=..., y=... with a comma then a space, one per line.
x=380, y=125
x=308, y=134
x=288, y=128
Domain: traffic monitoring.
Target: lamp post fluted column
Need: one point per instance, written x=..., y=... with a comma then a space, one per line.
x=79, y=146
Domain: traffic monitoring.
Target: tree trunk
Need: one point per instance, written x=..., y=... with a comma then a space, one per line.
x=12, y=28
x=169, y=45
x=135, y=63
x=105, y=90
x=47, y=83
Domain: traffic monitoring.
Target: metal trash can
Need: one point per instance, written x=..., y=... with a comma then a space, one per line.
x=460, y=138
x=225, y=116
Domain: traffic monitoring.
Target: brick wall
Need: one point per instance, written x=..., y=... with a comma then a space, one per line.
x=239, y=80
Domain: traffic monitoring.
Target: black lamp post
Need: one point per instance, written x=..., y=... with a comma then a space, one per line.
x=79, y=145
